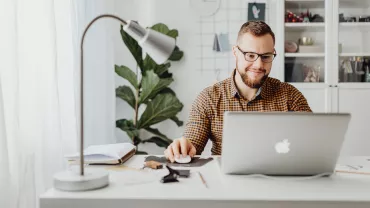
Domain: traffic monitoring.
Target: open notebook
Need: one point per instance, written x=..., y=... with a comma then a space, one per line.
x=105, y=154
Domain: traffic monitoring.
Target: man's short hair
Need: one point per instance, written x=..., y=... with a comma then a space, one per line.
x=257, y=28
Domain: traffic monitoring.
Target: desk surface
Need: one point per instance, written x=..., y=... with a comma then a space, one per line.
x=136, y=188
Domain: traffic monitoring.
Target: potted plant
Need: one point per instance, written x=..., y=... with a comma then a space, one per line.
x=151, y=89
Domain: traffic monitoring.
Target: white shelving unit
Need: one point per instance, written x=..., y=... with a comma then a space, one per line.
x=354, y=24
x=304, y=3
x=305, y=25
x=341, y=41
x=297, y=27
x=304, y=54
x=353, y=54
x=350, y=4
x=358, y=26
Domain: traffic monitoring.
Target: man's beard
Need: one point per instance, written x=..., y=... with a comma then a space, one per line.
x=248, y=81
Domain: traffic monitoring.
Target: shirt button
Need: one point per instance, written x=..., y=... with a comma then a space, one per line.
x=249, y=104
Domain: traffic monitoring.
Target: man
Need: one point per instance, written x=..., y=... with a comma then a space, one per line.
x=248, y=89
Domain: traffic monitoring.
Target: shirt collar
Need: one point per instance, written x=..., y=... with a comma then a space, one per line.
x=235, y=92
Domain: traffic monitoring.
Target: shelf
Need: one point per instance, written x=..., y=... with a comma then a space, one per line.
x=302, y=26
x=353, y=54
x=304, y=4
x=362, y=26
x=311, y=55
x=353, y=4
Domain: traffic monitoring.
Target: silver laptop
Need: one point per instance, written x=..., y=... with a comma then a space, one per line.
x=282, y=143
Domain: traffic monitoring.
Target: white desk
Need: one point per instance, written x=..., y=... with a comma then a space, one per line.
x=339, y=190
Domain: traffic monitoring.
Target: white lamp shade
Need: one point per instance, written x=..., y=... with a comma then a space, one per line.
x=158, y=46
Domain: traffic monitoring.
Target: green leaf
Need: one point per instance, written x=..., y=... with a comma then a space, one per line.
x=160, y=27
x=166, y=74
x=151, y=85
x=158, y=141
x=176, y=54
x=128, y=127
x=133, y=47
x=126, y=94
x=158, y=133
x=173, y=33
x=149, y=64
x=162, y=107
x=167, y=90
x=128, y=74
x=177, y=121
x=160, y=69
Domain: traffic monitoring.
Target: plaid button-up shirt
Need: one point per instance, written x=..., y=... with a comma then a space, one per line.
x=206, y=116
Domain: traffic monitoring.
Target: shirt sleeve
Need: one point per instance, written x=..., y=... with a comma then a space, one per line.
x=297, y=102
x=198, y=128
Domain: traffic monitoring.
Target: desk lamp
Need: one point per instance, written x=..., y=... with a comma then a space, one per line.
x=159, y=47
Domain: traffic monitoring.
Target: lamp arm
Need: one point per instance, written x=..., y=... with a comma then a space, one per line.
x=81, y=85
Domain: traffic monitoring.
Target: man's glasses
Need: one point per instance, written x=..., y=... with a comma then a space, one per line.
x=252, y=56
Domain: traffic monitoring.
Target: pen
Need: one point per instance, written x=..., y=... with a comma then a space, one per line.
x=202, y=179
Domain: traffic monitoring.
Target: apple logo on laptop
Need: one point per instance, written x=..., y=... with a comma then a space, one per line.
x=282, y=147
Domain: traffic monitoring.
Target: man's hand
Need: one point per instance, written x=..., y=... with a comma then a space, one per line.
x=179, y=146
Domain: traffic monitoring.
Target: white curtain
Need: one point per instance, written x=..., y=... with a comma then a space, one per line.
x=38, y=123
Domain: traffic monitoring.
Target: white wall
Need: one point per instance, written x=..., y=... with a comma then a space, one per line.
x=189, y=80
x=98, y=73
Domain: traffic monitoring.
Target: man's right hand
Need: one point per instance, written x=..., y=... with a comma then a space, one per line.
x=179, y=146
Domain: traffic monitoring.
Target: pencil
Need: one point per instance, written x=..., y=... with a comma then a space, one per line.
x=353, y=172
x=202, y=179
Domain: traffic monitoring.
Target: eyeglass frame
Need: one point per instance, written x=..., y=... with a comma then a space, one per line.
x=258, y=55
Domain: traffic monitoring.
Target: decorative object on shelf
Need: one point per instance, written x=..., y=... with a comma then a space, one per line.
x=299, y=72
x=342, y=18
x=354, y=69
x=367, y=68
x=303, y=17
x=256, y=11
x=306, y=41
x=291, y=17
x=291, y=47
x=317, y=18
x=311, y=74
x=367, y=74
x=364, y=19
x=350, y=19
x=306, y=45
x=150, y=88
